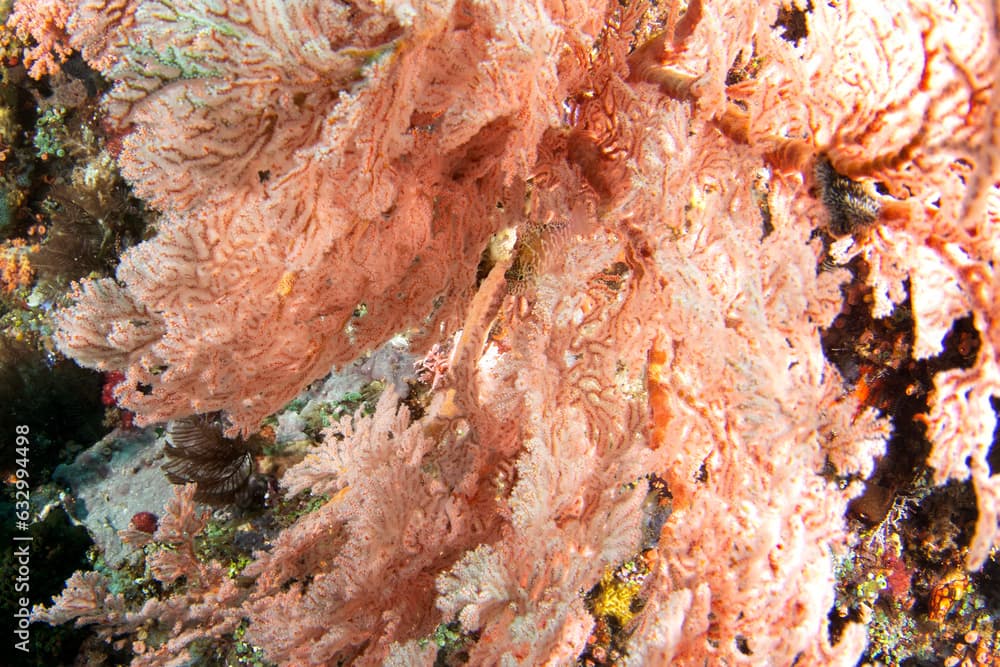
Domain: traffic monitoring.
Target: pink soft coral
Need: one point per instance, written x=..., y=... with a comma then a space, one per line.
x=44, y=23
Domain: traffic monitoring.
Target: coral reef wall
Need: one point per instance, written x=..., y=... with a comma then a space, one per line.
x=332, y=173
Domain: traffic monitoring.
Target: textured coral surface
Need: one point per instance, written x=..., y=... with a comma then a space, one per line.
x=617, y=230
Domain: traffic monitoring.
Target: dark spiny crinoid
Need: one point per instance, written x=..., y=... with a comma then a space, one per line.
x=198, y=452
x=852, y=206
